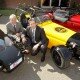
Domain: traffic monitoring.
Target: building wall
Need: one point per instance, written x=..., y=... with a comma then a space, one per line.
x=14, y=3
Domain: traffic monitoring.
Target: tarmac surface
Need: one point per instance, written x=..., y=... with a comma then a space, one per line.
x=33, y=69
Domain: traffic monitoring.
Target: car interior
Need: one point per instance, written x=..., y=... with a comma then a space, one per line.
x=61, y=15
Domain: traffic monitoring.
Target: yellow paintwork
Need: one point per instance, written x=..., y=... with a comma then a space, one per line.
x=56, y=38
x=28, y=16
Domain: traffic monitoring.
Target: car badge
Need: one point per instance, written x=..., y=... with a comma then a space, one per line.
x=60, y=29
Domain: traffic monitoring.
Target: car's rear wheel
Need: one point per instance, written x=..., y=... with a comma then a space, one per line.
x=61, y=57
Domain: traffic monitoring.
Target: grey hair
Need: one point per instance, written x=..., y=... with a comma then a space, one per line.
x=12, y=16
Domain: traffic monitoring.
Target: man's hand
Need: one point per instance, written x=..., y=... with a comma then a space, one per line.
x=18, y=39
x=26, y=51
x=42, y=46
x=18, y=34
x=35, y=47
x=24, y=40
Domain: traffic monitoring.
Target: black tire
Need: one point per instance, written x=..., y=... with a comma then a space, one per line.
x=1, y=66
x=61, y=57
x=5, y=70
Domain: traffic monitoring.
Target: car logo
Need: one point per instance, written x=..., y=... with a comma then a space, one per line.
x=60, y=29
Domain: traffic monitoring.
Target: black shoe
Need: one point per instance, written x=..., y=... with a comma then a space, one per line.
x=43, y=59
x=77, y=57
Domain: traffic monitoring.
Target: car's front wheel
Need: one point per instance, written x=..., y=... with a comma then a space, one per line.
x=61, y=56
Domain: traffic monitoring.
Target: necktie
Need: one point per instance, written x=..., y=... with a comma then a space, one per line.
x=14, y=28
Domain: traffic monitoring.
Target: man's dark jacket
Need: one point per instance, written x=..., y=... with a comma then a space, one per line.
x=40, y=36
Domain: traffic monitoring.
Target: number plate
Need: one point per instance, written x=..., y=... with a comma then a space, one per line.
x=16, y=63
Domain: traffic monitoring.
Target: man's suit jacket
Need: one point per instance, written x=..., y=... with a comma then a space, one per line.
x=40, y=36
x=11, y=30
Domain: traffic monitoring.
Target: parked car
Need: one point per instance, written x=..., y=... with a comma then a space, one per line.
x=67, y=19
x=31, y=11
x=63, y=42
x=10, y=55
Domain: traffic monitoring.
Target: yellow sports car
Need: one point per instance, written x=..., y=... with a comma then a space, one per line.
x=63, y=43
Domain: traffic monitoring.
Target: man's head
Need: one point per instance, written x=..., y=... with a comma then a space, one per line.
x=32, y=23
x=13, y=18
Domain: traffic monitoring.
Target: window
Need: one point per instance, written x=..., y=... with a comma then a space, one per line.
x=56, y=3
x=46, y=3
x=64, y=3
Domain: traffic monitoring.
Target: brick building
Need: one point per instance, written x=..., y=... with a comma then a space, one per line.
x=14, y=3
x=42, y=3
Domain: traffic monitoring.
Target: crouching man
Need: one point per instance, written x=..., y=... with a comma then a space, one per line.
x=38, y=40
x=15, y=30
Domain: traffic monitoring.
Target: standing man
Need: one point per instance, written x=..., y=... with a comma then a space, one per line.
x=38, y=39
x=14, y=30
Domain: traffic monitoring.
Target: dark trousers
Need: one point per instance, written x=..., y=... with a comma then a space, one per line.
x=40, y=48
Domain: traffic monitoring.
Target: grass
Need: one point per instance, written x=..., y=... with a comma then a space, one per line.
x=7, y=12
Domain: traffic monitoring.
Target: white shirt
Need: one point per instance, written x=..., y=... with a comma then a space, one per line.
x=33, y=35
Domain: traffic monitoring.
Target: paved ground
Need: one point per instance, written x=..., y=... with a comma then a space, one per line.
x=33, y=69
